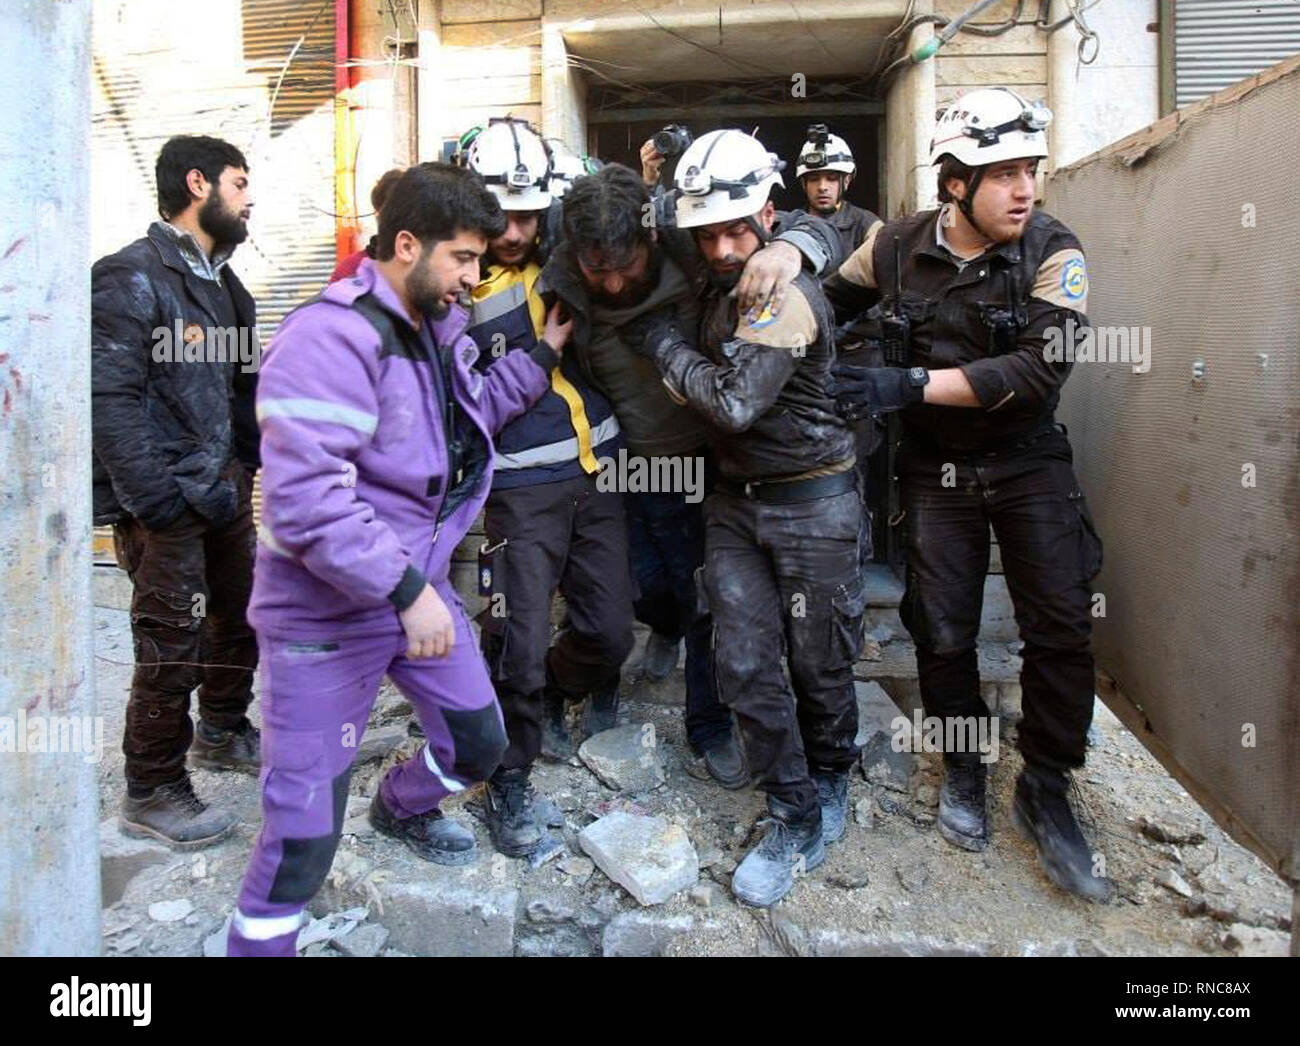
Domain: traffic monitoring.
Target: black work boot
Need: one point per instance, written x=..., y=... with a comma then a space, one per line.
x=963, y=813
x=660, y=658
x=725, y=763
x=216, y=749
x=175, y=815
x=432, y=836
x=557, y=742
x=1042, y=811
x=833, y=797
x=512, y=818
x=792, y=847
x=602, y=708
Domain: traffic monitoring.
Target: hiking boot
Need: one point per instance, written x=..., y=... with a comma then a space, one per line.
x=216, y=749
x=833, y=797
x=512, y=817
x=660, y=658
x=963, y=813
x=557, y=742
x=1042, y=812
x=176, y=816
x=432, y=836
x=725, y=763
x=602, y=708
x=791, y=848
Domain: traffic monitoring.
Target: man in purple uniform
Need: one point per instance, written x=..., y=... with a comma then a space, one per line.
x=377, y=455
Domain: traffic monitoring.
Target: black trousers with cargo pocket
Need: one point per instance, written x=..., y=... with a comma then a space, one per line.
x=190, y=587
x=785, y=580
x=565, y=535
x=1050, y=551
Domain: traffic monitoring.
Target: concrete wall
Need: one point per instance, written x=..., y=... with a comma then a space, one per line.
x=49, y=858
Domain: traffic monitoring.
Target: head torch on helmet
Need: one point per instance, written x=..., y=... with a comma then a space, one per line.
x=696, y=182
x=1034, y=117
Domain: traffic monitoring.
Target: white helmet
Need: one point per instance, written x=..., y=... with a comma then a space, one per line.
x=566, y=166
x=722, y=176
x=510, y=157
x=990, y=125
x=831, y=155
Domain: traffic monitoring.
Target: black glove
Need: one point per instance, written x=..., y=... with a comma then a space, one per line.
x=652, y=333
x=861, y=391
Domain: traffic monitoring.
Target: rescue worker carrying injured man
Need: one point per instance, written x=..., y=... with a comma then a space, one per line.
x=612, y=268
x=782, y=525
x=377, y=456
x=972, y=294
x=546, y=523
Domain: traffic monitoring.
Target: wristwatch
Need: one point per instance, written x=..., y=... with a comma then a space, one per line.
x=917, y=379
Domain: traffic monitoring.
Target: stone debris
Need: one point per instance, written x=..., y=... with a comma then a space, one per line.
x=706, y=894
x=879, y=763
x=170, y=911
x=378, y=741
x=365, y=942
x=214, y=945
x=649, y=857
x=1171, y=880
x=548, y=910
x=199, y=867
x=625, y=758
x=1166, y=832
x=330, y=928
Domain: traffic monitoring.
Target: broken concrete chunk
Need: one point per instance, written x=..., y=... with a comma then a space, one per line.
x=364, y=942
x=625, y=758
x=649, y=857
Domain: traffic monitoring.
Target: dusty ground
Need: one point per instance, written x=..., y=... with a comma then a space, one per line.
x=892, y=886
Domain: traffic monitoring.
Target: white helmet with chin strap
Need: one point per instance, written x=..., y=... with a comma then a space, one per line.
x=514, y=163
x=987, y=126
x=724, y=176
x=990, y=125
x=824, y=151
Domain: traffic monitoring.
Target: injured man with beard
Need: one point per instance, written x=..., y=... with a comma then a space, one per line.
x=621, y=259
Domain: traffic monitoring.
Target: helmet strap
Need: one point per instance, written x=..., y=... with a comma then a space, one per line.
x=967, y=203
x=764, y=237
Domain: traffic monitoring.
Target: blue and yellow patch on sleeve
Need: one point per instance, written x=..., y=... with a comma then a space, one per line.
x=1074, y=279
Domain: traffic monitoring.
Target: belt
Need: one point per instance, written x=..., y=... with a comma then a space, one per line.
x=792, y=491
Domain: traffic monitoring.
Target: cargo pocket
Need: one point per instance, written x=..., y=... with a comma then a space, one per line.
x=1090, y=551
x=847, y=608
x=289, y=757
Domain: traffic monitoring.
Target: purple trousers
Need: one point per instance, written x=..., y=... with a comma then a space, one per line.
x=316, y=697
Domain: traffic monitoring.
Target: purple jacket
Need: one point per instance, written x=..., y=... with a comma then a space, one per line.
x=354, y=461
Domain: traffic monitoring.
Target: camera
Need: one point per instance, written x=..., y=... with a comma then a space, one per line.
x=672, y=141
x=819, y=135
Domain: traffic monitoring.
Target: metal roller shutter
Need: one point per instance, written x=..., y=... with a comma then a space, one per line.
x=1218, y=42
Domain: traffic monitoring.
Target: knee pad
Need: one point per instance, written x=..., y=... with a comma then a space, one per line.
x=478, y=739
x=304, y=863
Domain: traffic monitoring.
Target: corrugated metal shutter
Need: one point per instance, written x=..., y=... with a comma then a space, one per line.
x=1218, y=42
x=259, y=73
